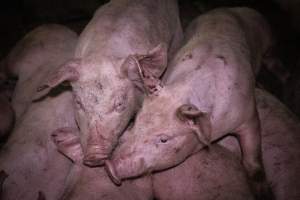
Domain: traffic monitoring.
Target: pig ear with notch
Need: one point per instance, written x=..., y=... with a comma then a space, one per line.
x=145, y=70
x=67, y=72
x=199, y=121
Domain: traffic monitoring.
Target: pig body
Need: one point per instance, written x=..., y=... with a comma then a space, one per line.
x=202, y=177
x=94, y=184
x=33, y=57
x=280, y=145
x=207, y=93
x=30, y=159
x=121, y=47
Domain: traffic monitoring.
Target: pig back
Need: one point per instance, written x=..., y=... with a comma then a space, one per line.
x=280, y=145
x=94, y=184
x=45, y=41
x=212, y=174
x=40, y=51
x=258, y=34
x=30, y=158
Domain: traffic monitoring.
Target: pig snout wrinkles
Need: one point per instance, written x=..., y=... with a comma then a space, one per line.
x=98, y=146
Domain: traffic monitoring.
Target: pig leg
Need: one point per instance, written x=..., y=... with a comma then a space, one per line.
x=249, y=135
x=68, y=143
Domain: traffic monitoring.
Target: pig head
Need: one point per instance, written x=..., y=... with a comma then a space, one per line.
x=105, y=98
x=165, y=133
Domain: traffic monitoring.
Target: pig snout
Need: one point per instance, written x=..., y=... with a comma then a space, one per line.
x=98, y=146
x=112, y=173
x=120, y=169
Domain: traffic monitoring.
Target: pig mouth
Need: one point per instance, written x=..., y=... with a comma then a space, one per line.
x=112, y=173
x=94, y=160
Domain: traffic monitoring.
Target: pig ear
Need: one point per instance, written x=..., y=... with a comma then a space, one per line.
x=67, y=72
x=197, y=120
x=145, y=70
x=68, y=143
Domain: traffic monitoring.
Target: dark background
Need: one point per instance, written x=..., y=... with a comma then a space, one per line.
x=17, y=17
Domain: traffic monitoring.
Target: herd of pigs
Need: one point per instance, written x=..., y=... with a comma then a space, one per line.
x=133, y=109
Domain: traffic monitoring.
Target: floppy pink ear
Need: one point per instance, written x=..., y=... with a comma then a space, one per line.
x=199, y=121
x=67, y=72
x=145, y=70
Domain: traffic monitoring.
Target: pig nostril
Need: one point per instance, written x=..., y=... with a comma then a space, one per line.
x=163, y=140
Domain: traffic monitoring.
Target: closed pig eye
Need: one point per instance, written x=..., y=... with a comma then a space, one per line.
x=119, y=104
x=164, y=139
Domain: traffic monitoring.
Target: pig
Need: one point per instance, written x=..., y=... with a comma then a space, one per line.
x=280, y=145
x=207, y=92
x=29, y=158
x=202, y=177
x=199, y=177
x=122, y=47
x=30, y=56
x=189, y=180
x=84, y=182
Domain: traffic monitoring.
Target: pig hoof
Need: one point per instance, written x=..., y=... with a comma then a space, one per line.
x=112, y=173
x=94, y=160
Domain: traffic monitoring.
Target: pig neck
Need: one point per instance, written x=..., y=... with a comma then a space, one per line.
x=208, y=75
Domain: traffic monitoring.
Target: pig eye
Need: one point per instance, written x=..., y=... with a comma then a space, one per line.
x=119, y=104
x=78, y=103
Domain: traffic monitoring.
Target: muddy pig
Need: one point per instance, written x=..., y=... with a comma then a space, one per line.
x=38, y=52
x=207, y=93
x=29, y=158
x=120, y=53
